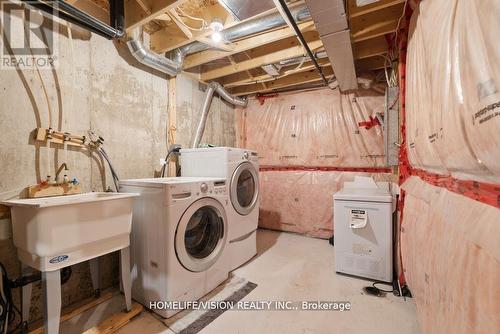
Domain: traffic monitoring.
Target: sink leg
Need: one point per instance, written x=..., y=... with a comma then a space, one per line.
x=26, y=295
x=51, y=282
x=95, y=274
x=125, y=276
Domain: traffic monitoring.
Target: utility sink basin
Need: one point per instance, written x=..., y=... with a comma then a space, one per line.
x=55, y=232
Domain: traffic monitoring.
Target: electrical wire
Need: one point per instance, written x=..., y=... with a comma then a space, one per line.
x=73, y=67
x=8, y=307
x=391, y=79
x=301, y=62
x=189, y=16
x=164, y=167
x=299, y=35
x=399, y=23
x=47, y=99
x=203, y=22
x=116, y=179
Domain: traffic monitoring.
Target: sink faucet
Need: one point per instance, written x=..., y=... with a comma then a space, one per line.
x=63, y=166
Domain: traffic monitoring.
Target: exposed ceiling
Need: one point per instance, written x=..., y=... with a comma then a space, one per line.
x=237, y=65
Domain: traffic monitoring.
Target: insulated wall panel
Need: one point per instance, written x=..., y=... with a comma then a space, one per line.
x=451, y=258
x=453, y=82
x=302, y=201
x=316, y=128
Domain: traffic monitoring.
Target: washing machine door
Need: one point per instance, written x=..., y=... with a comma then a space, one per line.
x=201, y=234
x=244, y=190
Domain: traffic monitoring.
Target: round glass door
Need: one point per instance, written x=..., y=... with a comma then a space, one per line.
x=201, y=235
x=244, y=188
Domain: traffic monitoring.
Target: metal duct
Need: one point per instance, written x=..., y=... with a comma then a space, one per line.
x=234, y=100
x=298, y=60
x=174, y=66
x=243, y=9
x=151, y=59
x=212, y=88
x=271, y=21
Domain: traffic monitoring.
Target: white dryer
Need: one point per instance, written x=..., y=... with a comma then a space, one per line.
x=241, y=168
x=179, y=237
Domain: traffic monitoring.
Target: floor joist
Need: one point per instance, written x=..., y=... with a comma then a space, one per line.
x=291, y=80
x=294, y=51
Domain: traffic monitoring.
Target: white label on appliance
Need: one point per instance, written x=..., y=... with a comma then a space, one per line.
x=358, y=218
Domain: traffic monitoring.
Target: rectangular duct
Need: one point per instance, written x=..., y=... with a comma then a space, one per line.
x=243, y=9
x=328, y=16
x=330, y=19
x=339, y=49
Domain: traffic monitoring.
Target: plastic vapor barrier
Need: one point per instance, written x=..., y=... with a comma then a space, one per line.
x=453, y=89
x=316, y=128
x=302, y=201
x=449, y=246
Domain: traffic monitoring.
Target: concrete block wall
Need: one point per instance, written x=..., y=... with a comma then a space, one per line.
x=96, y=86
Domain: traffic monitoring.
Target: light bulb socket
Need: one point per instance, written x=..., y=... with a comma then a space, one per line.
x=216, y=24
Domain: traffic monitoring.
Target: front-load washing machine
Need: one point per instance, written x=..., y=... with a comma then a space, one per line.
x=241, y=168
x=179, y=237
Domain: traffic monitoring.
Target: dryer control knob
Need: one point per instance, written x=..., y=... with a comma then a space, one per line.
x=204, y=187
x=245, y=155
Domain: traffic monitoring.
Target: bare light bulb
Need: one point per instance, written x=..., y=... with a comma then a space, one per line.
x=216, y=37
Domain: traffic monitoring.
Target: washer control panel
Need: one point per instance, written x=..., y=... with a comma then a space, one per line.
x=187, y=191
x=250, y=156
x=213, y=188
x=220, y=187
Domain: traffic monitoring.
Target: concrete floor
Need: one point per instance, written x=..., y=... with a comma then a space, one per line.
x=297, y=268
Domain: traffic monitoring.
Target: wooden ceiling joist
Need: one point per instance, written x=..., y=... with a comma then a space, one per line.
x=161, y=43
x=379, y=22
x=136, y=15
x=237, y=65
x=364, y=50
x=291, y=80
x=240, y=79
x=178, y=21
x=372, y=63
x=376, y=30
x=92, y=8
x=270, y=58
x=370, y=47
x=243, y=45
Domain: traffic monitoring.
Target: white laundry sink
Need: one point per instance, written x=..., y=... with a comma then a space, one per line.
x=55, y=232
